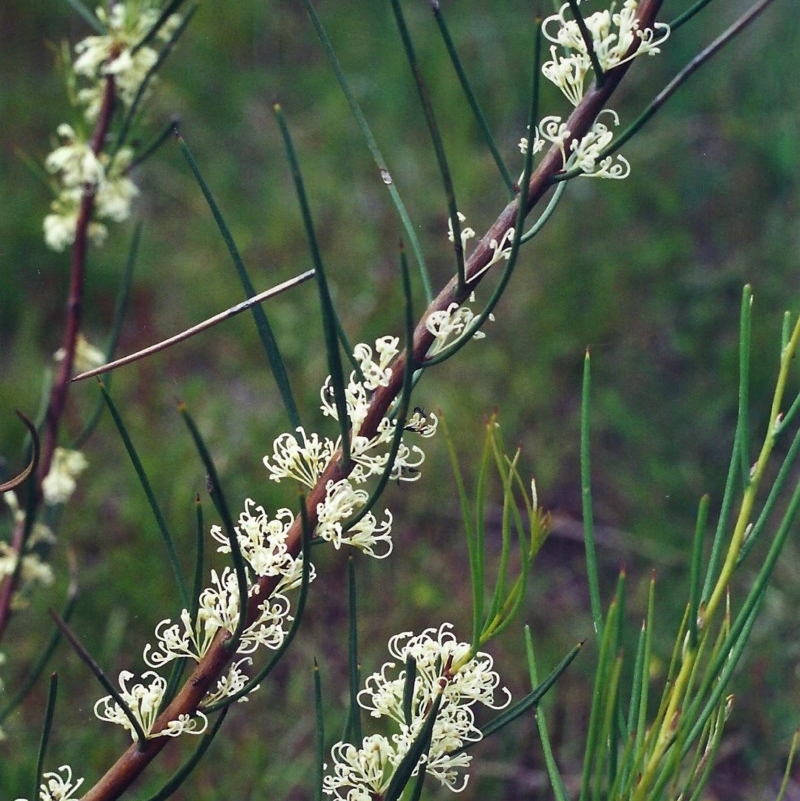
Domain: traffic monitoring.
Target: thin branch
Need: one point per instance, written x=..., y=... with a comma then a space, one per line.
x=196, y=329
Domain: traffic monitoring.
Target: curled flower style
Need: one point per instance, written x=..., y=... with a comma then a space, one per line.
x=613, y=35
x=341, y=503
x=262, y=542
x=538, y=142
x=568, y=73
x=220, y=607
x=144, y=702
x=60, y=481
x=449, y=325
x=437, y=654
x=361, y=774
x=302, y=457
x=500, y=250
x=57, y=787
x=188, y=638
x=445, y=669
x=372, y=374
x=376, y=373
x=554, y=130
x=230, y=684
x=586, y=153
x=422, y=422
x=81, y=171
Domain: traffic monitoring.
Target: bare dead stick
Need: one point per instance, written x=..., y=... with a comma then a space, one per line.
x=196, y=329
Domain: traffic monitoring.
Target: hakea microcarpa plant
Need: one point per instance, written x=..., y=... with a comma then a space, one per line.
x=329, y=473
x=246, y=607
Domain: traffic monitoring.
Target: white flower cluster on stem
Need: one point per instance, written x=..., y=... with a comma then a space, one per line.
x=262, y=542
x=613, y=34
x=57, y=787
x=81, y=169
x=303, y=456
x=445, y=669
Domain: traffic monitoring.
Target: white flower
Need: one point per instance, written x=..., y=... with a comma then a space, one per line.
x=361, y=774
x=59, y=483
x=230, y=684
x=372, y=374
x=586, y=153
x=80, y=171
x=188, y=638
x=538, y=142
x=341, y=503
x=422, y=422
x=59, y=788
x=220, y=609
x=144, y=702
x=612, y=36
x=8, y=559
x=466, y=232
x=449, y=325
x=115, y=195
x=263, y=544
x=302, y=457
x=568, y=73
x=554, y=130
x=75, y=162
x=60, y=226
x=87, y=356
x=376, y=373
x=445, y=670
x=35, y=571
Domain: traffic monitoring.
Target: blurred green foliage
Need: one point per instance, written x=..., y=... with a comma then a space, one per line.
x=647, y=273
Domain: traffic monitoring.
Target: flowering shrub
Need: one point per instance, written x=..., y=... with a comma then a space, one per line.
x=210, y=654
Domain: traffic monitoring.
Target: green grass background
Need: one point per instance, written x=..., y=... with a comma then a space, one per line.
x=647, y=272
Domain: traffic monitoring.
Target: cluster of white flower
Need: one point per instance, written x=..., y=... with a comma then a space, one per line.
x=612, y=33
x=263, y=545
x=83, y=170
x=444, y=669
x=143, y=701
x=303, y=457
x=262, y=541
x=58, y=788
x=119, y=53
